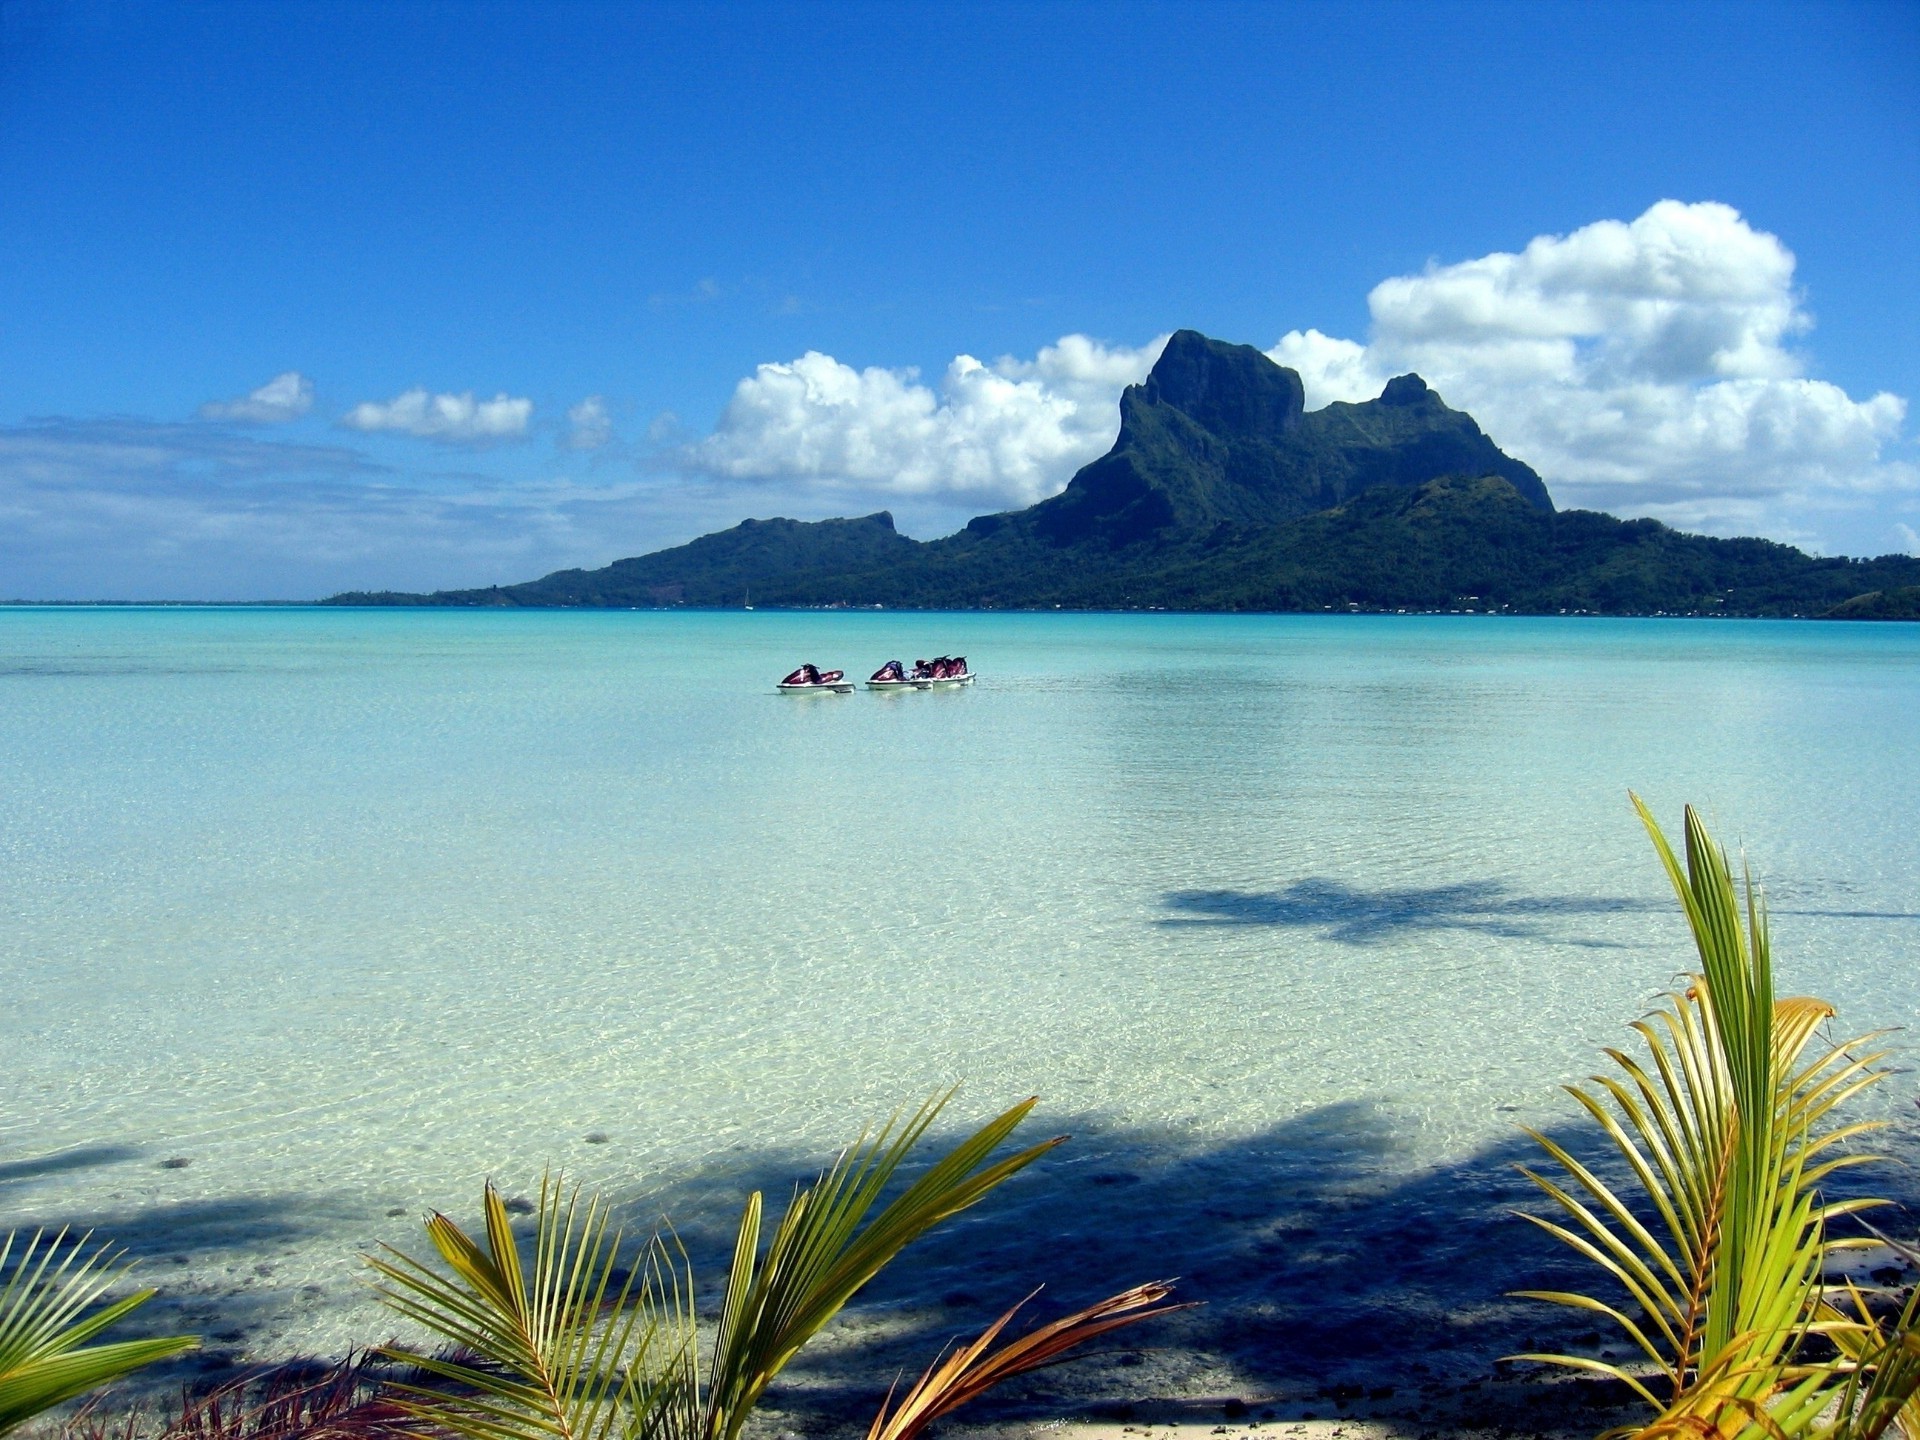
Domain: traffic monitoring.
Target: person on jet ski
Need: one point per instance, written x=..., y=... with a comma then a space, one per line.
x=805, y=675
x=892, y=670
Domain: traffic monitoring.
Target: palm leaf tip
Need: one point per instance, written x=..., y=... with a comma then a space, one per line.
x=50, y=1309
x=835, y=1236
x=970, y=1369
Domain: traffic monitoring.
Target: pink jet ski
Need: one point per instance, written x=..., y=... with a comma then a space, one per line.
x=812, y=680
x=893, y=676
x=944, y=673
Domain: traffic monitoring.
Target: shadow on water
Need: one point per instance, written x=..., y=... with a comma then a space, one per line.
x=1351, y=915
x=217, y=1264
x=1337, y=1275
x=16, y=1173
x=1355, y=916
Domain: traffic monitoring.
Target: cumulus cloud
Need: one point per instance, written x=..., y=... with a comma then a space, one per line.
x=287, y=396
x=1002, y=434
x=454, y=419
x=592, y=427
x=1647, y=367
x=1643, y=367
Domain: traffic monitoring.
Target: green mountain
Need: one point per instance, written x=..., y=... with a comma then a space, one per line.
x=1222, y=493
x=1218, y=434
x=719, y=569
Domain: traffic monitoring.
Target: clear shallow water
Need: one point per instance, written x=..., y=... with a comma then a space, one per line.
x=1286, y=918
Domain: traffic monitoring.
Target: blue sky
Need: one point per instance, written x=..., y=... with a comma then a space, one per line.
x=525, y=286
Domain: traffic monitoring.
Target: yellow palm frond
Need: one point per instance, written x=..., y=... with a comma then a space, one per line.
x=1725, y=1126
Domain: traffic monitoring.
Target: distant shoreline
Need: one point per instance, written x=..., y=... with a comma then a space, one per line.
x=1349, y=611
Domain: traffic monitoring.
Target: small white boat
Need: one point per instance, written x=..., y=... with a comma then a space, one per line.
x=898, y=684
x=946, y=682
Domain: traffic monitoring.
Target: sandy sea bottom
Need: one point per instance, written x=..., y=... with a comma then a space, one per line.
x=315, y=919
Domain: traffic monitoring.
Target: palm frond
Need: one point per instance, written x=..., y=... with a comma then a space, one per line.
x=825, y=1248
x=970, y=1370
x=1725, y=1128
x=576, y=1348
x=45, y=1357
x=560, y=1358
x=1882, y=1393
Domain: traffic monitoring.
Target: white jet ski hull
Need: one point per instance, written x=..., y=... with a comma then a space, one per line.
x=924, y=684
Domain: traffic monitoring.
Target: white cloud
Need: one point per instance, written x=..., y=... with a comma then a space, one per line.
x=1005, y=434
x=1642, y=368
x=592, y=426
x=1909, y=538
x=127, y=509
x=455, y=419
x=286, y=397
x=1646, y=367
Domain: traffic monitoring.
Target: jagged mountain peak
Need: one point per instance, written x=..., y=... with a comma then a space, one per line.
x=1223, y=388
x=1408, y=389
x=1219, y=434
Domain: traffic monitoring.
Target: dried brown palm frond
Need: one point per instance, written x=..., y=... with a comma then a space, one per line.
x=970, y=1370
x=300, y=1400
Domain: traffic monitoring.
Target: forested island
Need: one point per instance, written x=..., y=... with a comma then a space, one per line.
x=1222, y=492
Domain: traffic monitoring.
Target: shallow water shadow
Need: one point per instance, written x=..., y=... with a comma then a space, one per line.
x=1353, y=916
x=1335, y=1273
x=1338, y=1274
x=80, y=1157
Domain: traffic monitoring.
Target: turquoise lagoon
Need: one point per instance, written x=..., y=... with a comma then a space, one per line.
x=1290, y=920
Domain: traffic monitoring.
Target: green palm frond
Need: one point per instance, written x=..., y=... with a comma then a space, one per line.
x=822, y=1253
x=45, y=1356
x=1725, y=1124
x=580, y=1349
x=564, y=1357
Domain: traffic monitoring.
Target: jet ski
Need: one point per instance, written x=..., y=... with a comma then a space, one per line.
x=947, y=672
x=812, y=680
x=893, y=676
